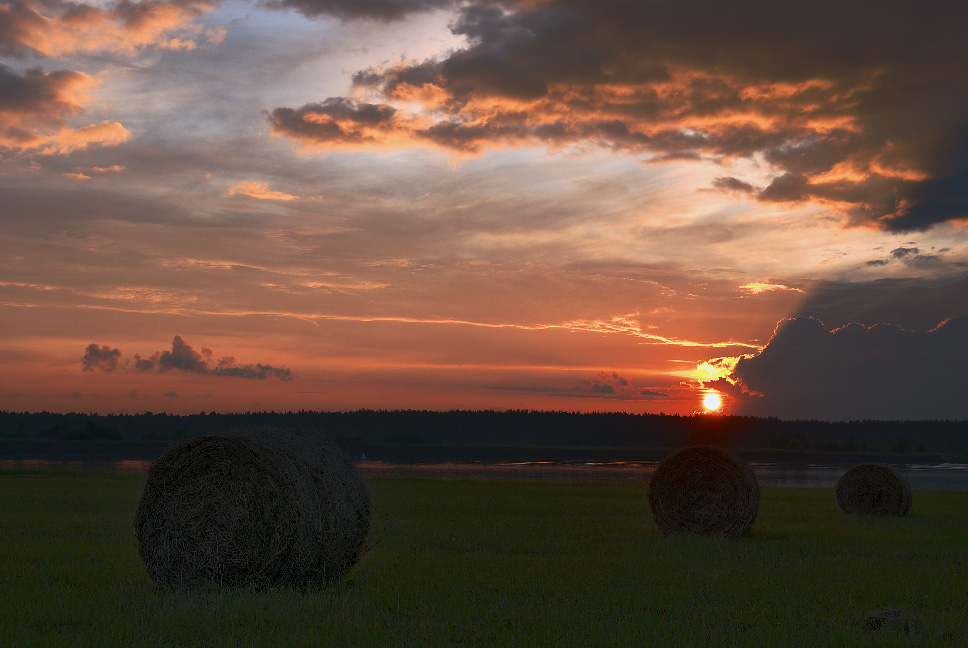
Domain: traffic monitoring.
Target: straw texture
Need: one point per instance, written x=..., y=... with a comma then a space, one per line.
x=873, y=489
x=704, y=490
x=251, y=510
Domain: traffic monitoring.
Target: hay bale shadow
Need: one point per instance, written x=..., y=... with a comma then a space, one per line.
x=704, y=490
x=252, y=510
x=873, y=489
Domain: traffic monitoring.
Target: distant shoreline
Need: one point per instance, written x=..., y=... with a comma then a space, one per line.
x=404, y=454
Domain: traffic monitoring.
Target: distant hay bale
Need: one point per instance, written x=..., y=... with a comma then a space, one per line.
x=251, y=510
x=873, y=489
x=704, y=490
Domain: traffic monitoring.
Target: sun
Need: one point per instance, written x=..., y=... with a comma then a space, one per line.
x=712, y=402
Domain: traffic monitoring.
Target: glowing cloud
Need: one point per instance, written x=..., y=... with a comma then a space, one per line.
x=758, y=287
x=35, y=107
x=833, y=117
x=60, y=29
x=259, y=190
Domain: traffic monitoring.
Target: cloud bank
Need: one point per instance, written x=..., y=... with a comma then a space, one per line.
x=36, y=106
x=854, y=106
x=855, y=372
x=57, y=29
x=182, y=357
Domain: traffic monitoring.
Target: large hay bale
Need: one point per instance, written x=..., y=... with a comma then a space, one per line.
x=873, y=489
x=252, y=510
x=704, y=490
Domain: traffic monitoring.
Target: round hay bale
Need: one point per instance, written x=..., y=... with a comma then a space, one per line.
x=251, y=510
x=873, y=489
x=704, y=490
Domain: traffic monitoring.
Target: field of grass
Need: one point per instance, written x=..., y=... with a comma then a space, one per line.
x=500, y=564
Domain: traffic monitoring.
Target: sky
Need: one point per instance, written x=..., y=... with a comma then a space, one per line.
x=579, y=205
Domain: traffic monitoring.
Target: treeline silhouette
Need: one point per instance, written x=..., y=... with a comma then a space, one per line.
x=358, y=430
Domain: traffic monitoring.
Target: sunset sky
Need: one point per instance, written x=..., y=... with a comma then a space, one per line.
x=594, y=205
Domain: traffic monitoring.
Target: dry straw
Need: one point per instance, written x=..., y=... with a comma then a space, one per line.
x=252, y=510
x=704, y=490
x=873, y=489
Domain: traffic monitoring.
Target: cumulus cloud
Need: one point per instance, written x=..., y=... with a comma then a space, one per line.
x=184, y=358
x=822, y=92
x=35, y=107
x=101, y=357
x=810, y=371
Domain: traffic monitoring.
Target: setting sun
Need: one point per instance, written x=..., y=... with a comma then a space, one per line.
x=712, y=402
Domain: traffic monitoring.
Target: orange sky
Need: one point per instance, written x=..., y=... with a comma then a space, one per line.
x=566, y=205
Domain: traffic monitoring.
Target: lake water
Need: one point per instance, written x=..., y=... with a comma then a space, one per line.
x=944, y=476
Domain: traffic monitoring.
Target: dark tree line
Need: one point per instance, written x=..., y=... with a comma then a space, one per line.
x=362, y=428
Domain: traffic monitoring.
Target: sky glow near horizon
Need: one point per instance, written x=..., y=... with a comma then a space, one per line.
x=562, y=204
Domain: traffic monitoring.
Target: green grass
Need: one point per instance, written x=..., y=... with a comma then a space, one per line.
x=499, y=564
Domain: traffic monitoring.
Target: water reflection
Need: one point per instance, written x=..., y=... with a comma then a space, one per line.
x=125, y=467
x=943, y=476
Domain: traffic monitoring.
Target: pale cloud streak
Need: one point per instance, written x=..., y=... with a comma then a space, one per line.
x=259, y=191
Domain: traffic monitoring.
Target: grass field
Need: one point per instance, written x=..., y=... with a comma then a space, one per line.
x=500, y=564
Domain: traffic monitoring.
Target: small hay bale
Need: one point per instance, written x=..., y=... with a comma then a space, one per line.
x=873, y=489
x=893, y=619
x=251, y=510
x=704, y=490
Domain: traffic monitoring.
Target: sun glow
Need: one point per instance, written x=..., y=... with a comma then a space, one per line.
x=712, y=402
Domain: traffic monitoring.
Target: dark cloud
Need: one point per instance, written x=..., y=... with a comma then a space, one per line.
x=34, y=101
x=361, y=9
x=901, y=252
x=35, y=110
x=100, y=357
x=824, y=92
x=733, y=184
x=911, y=303
x=602, y=388
x=810, y=371
x=258, y=371
x=608, y=384
x=334, y=120
x=183, y=357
